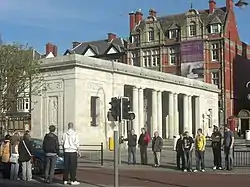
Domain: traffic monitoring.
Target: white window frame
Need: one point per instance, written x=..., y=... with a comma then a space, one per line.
x=173, y=55
x=215, y=28
x=173, y=34
x=151, y=35
x=215, y=78
x=95, y=111
x=192, y=29
x=23, y=105
x=215, y=51
x=147, y=59
x=155, y=57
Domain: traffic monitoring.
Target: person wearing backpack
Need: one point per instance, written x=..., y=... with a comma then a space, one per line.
x=51, y=150
x=5, y=152
x=25, y=150
x=143, y=142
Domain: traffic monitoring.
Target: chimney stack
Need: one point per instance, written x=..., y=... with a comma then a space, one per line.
x=111, y=36
x=152, y=12
x=138, y=16
x=131, y=21
x=212, y=6
x=229, y=4
x=51, y=48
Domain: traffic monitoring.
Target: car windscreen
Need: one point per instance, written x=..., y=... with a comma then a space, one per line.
x=37, y=144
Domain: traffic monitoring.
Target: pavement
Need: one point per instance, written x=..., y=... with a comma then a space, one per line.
x=92, y=174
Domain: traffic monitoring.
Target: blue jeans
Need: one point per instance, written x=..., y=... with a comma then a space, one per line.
x=228, y=157
x=26, y=171
x=14, y=171
x=50, y=167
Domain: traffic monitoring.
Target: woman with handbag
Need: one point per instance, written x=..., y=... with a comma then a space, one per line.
x=25, y=150
x=14, y=157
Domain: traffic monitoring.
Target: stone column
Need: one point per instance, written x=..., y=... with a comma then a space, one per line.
x=154, y=112
x=185, y=112
x=159, y=112
x=190, y=116
x=136, y=126
x=176, y=115
x=171, y=124
x=198, y=120
x=141, y=108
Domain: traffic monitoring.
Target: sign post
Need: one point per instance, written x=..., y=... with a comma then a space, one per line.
x=116, y=157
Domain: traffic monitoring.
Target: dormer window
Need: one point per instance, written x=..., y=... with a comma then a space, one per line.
x=173, y=34
x=192, y=29
x=151, y=35
x=136, y=39
x=215, y=28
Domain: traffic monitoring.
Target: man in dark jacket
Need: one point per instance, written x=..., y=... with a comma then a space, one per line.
x=143, y=142
x=51, y=150
x=157, y=144
x=132, y=142
x=180, y=153
x=216, y=146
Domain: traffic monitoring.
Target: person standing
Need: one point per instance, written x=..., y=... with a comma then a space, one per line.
x=51, y=150
x=25, y=151
x=14, y=171
x=200, y=144
x=228, y=144
x=179, y=153
x=216, y=147
x=187, y=146
x=132, y=142
x=5, y=152
x=157, y=144
x=143, y=142
x=70, y=142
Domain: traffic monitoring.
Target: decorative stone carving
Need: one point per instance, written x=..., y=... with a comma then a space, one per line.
x=53, y=110
x=54, y=86
x=93, y=85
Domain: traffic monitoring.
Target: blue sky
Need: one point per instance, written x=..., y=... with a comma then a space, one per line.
x=62, y=21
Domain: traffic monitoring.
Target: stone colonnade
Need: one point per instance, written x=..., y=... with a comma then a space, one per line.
x=172, y=123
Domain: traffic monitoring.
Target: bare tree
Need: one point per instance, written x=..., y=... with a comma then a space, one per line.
x=19, y=71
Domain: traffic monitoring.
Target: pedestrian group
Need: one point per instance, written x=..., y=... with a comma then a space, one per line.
x=185, y=147
x=17, y=155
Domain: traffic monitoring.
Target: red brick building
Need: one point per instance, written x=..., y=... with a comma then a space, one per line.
x=199, y=44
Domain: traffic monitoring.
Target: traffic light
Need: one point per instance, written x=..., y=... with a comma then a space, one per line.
x=115, y=109
x=126, y=111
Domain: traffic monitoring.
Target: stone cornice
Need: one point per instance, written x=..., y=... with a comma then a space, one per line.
x=74, y=60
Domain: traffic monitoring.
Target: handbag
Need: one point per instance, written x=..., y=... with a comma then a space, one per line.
x=31, y=157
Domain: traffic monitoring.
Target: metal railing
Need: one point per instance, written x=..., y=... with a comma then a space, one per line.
x=241, y=155
x=91, y=154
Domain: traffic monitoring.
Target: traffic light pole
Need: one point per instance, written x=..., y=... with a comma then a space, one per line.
x=116, y=157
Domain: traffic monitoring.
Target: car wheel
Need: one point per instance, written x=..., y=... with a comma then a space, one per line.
x=38, y=167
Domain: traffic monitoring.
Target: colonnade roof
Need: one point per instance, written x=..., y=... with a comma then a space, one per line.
x=75, y=60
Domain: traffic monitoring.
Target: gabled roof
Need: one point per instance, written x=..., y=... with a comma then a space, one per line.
x=99, y=47
x=167, y=22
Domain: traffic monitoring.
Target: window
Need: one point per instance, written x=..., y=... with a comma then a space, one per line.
x=215, y=28
x=173, y=34
x=151, y=35
x=136, y=39
x=146, y=58
x=155, y=58
x=192, y=29
x=215, y=51
x=23, y=105
x=173, y=55
x=135, y=59
x=215, y=78
x=95, y=111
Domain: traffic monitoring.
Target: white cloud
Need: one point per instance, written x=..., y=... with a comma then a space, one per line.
x=56, y=14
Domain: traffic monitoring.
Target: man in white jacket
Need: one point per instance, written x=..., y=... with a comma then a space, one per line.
x=70, y=142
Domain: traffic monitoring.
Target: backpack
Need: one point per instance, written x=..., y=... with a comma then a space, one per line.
x=5, y=152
